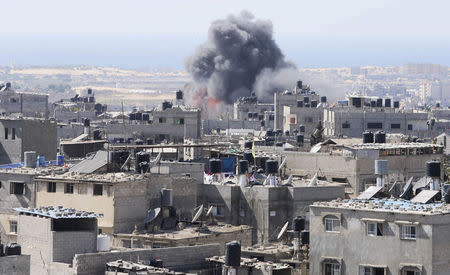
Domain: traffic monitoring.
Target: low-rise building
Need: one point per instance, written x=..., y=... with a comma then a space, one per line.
x=379, y=236
x=25, y=104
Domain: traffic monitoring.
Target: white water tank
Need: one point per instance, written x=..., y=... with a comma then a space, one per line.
x=29, y=159
x=103, y=242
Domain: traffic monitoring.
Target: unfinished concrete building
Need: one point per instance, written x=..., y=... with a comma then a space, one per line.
x=354, y=164
x=15, y=264
x=379, y=237
x=53, y=235
x=25, y=104
x=26, y=134
x=357, y=114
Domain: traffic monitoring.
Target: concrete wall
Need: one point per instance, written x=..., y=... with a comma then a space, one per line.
x=196, y=170
x=175, y=258
x=68, y=243
x=308, y=117
x=28, y=104
x=281, y=100
x=15, y=265
x=11, y=149
x=355, y=248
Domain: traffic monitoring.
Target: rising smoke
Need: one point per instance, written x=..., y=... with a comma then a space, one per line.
x=240, y=57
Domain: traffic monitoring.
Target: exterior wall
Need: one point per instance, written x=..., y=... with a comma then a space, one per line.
x=175, y=258
x=308, y=117
x=31, y=105
x=68, y=243
x=9, y=201
x=15, y=265
x=40, y=136
x=11, y=150
x=358, y=119
x=290, y=100
x=179, y=169
x=355, y=248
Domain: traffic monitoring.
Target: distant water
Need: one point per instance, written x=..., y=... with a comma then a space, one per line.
x=170, y=52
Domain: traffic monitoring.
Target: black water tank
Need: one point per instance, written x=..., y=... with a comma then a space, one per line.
x=279, y=144
x=233, y=254
x=166, y=105
x=87, y=122
x=179, y=95
x=156, y=263
x=249, y=157
x=298, y=224
x=248, y=145
x=367, y=137
x=279, y=132
x=145, y=117
x=89, y=91
x=140, y=158
x=300, y=139
x=138, y=116
x=387, y=102
x=98, y=107
x=379, y=102
x=323, y=99
x=132, y=116
x=97, y=135
x=380, y=137
x=243, y=167
x=396, y=104
x=1, y=250
x=139, y=142
x=373, y=103
x=255, y=115
x=299, y=84
x=149, y=141
x=91, y=99
x=438, y=105
x=260, y=117
x=250, y=115
x=271, y=166
x=306, y=99
x=269, y=133
x=13, y=249
x=304, y=236
x=286, y=133
x=302, y=128
x=144, y=167
x=433, y=169
x=314, y=104
x=263, y=123
x=356, y=102
x=215, y=166
x=299, y=103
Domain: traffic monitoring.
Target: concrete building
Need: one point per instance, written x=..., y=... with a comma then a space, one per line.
x=19, y=135
x=124, y=199
x=265, y=208
x=354, y=164
x=15, y=265
x=385, y=236
x=302, y=101
x=25, y=104
x=55, y=235
x=358, y=114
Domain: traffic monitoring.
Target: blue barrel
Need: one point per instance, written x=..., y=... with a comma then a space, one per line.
x=60, y=160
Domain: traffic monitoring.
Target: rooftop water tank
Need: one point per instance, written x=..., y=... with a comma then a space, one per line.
x=380, y=137
x=29, y=159
x=396, y=104
x=103, y=243
x=132, y=116
x=323, y=99
x=381, y=167
x=13, y=249
x=306, y=99
x=243, y=167
x=179, y=95
x=271, y=166
x=300, y=139
x=298, y=224
x=249, y=157
x=379, y=102
x=433, y=169
x=215, y=166
x=248, y=145
x=387, y=102
x=166, y=197
x=304, y=236
x=314, y=104
x=87, y=122
x=302, y=128
x=233, y=254
x=367, y=137
x=299, y=103
x=59, y=160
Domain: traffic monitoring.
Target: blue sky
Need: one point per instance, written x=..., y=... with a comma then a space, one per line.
x=162, y=33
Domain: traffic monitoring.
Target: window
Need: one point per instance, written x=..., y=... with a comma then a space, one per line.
x=395, y=126
x=292, y=120
x=408, y=232
x=179, y=121
x=411, y=271
x=332, y=224
x=17, y=188
x=51, y=187
x=13, y=136
x=13, y=227
x=331, y=269
x=368, y=270
x=68, y=188
x=162, y=120
x=410, y=127
x=308, y=119
x=6, y=133
x=218, y=210
x=375, y=125
x=98, y=189
x=345, y=125
x=374, y=229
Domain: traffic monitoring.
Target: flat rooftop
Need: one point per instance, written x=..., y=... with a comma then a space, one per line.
x=189, y=232
x=58, y=212
x=388, y=205
x=252, y=263
x=21, y=170
x=405, y=145
x=98, y=178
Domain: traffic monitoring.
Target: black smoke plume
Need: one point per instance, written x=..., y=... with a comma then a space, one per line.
x=240, y=57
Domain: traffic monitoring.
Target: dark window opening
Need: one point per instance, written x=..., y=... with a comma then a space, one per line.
x=51, y=187
x=17, y=188
x=375, y=125
x=6, y=133
x=341, y=180
x=68, y=188
x=410, y=127
x=395, y=126
x=345, y=125
x=13, y=135
x=98, y=189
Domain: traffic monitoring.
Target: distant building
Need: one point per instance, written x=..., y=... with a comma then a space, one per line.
x=18, y=135
x=375, y=236
x=25, y=104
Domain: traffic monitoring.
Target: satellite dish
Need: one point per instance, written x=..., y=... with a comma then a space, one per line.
x=198, y=214
x=283, y=230
x=283, y=163
x=289, y=180
x=266, y=181
x=209, y=211
x=152, y=215
x=408, y=189
x=313, y=180
x=158, y=158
